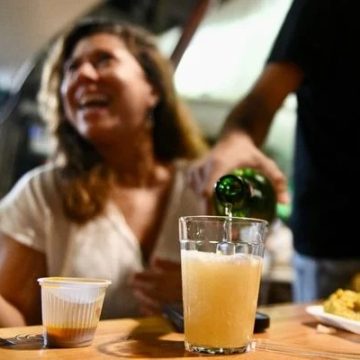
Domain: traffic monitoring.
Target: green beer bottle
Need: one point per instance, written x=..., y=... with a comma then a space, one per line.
x=245, y=193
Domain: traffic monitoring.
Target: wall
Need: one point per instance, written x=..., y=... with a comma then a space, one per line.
x=224, y=59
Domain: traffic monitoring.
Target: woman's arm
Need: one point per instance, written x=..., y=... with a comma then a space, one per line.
x=20, y=296
x=10, y=315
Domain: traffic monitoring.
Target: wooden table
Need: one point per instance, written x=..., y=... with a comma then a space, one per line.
x=154, y=338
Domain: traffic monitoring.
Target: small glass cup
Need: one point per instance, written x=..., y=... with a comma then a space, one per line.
x=221, y=261
x=71, y=309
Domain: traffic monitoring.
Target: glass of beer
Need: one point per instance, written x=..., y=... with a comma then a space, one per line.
x=221, y=261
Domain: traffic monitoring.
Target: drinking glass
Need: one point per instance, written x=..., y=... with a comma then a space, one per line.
x=221, y=260
x=71, y=309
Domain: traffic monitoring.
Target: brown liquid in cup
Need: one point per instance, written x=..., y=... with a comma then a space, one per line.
x=69, y=337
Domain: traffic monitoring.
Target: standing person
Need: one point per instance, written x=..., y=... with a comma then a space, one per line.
x=314, y=55
x=107, y=206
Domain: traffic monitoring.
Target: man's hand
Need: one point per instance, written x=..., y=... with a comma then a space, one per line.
x=233, y=151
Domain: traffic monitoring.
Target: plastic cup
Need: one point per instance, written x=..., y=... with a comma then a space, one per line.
x=221, y=261
x=71, y=309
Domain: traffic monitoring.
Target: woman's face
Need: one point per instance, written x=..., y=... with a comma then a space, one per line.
x=104, y=90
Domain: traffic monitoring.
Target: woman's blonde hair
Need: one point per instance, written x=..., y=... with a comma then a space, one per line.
x=85, y=179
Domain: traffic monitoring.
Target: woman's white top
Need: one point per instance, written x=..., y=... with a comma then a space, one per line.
x=105, y=247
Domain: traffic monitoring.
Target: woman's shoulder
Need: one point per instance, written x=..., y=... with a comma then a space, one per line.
x=43, y=173
x=182, y=165
x=26, y=211
x=181, y=184
x=38, y=181
x=40, y=172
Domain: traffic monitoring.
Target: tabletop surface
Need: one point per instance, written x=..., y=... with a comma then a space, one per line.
x=292, y=335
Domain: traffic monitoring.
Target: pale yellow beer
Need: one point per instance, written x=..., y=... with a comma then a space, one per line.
x=220, y=295
x=221, y=261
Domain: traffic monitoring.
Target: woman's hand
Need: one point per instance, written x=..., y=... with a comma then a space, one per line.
x=157, y=285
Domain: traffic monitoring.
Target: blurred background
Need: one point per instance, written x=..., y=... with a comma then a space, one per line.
x=223, y=48
x=218, y=48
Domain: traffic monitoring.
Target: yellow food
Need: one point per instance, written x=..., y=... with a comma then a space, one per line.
x=345, y=303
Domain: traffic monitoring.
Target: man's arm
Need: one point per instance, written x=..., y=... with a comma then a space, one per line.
x=246, y=128
x=254, y=113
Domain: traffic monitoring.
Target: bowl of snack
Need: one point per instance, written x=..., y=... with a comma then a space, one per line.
x=341, y=309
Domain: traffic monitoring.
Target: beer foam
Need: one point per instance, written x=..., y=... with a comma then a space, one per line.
x=194, y=255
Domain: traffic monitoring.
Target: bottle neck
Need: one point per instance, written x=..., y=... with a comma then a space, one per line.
x=232, y=190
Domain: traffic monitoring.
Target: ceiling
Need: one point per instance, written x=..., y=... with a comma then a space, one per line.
x=26, y=25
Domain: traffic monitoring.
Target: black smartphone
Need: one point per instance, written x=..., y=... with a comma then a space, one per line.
x=174, y=313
